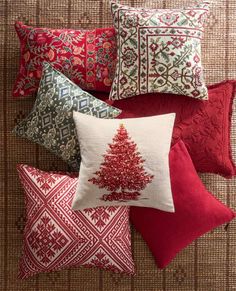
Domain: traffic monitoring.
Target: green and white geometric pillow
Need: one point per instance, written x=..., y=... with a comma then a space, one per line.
x=159, y=50
x=51, y=124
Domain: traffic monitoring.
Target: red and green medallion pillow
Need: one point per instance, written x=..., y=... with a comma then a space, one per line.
x=55, y=237
x=87, y=57
x=197, y=211
x=159, y=50
x=203, y=126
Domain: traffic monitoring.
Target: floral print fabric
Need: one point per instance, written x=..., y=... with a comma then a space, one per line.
x=159, y=51
x=87, y=57
x=50, y=123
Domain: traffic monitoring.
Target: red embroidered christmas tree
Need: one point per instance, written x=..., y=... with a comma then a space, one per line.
x=122, y=172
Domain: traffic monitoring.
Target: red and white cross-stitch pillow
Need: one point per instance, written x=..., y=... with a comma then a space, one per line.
x=56, y=237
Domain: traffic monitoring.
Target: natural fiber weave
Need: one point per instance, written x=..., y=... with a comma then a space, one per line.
x=209, y=264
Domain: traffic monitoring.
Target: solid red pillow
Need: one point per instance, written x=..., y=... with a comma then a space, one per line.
x=87, y=57
x=204, y=126
x=197, y=211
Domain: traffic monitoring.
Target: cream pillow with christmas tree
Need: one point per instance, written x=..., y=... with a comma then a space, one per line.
x=124, y=162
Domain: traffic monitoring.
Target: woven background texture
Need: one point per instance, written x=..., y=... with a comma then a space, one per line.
x=208, y=264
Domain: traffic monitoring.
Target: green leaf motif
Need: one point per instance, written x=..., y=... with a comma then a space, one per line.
x=183, y=22
x=153, y=21
x=27, y=86
x=165, y=56
x=133, y=72
x=67, y=49
x=143, y=46
x=134, y=42
x=144, y=60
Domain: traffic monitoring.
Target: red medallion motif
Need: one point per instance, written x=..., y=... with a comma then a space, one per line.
x=46, y=240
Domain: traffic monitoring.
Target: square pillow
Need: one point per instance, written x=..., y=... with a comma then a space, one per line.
x=87, y=57
x=203, y=126
x=124, y=162
x=50, y=122
x=197, y=211
x=159, y=50
x=55, y=237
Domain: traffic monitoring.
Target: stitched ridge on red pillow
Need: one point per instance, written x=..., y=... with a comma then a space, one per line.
x=204, y=126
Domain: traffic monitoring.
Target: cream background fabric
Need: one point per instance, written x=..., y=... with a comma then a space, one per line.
x=152, y=136
x=159, y=50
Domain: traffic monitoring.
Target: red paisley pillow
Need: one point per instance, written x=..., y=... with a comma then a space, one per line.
x=55, y=237
x=87, y=57
x=204, y=126
x=197, y=211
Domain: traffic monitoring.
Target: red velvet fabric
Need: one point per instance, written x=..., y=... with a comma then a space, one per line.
x=197, y=211
x=87, y=57
x=204, y=126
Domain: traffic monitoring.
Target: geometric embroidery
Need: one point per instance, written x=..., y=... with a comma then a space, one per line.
x=159, y=50
x=100, y=215
x=65, y=131
x=46, y=119
x=48, y=78
x=102, y=114
x=45, y=240
x=51, y=124
x=57, y=237
x=64, y=92
x=83, y=103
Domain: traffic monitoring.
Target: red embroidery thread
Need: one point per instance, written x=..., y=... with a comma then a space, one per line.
x=122, y=170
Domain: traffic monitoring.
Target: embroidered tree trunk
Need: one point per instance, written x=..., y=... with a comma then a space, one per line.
x=122, y=172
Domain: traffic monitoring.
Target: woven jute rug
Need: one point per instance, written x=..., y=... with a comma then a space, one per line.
x=208, y=264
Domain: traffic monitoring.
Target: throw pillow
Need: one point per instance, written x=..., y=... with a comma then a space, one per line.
x=50, y=122
x=87, y=57
x=159, y=50
x=197, y=211
x=55, y=237
x=124, y=162
x=203, y=126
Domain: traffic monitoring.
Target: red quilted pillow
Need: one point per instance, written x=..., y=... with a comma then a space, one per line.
x=204, y=126
x=87, y=57
x=197, y=211
x=55, y=237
